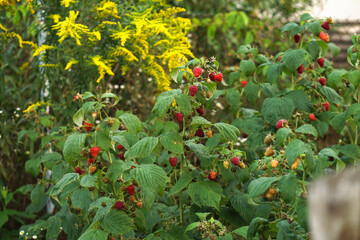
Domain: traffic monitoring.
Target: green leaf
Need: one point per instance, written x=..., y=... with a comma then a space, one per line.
x=285, y=231
x=247, y=67
x=324, y=47
x=301, y=100
x=288, y=186
x=182, y=183
x=78, y=117
x=335, y=77
x=282, y=134
x=331, y=95
x=164, y=101
x=111, y=95
x=233, y=97
x=63, y=182
x=254, y=226
x=274, y=72
x=3, y=218
x=117, y=222
x=150, y=176
x=338, y=122
x=94, y=234
x=227, y=131
x=132, y=122
x=115, y=170
x=307, y=129
x=233, y=76
x=242, y=231
x=354, y=78
x=274, y=109
x=122, y=141
x=87, y=95
x=328, y=152
x=269, y=90
x=260, y=185
x=314, y=49
x=251, y=92
x=323, y=128
x=197, y=120
x=291, y=27
x=294, y=149
x=315, y=28
x=202, y=153
x=191, y=226
x=305, y=17
x=172, y=142
x=335, y=50
x=205, y=193
x=37, y=194
x=351, y=150
x=81, y=198
x=184, y=103
x=144, y=147
x=294, y=58
x=46, y=121
x=73, y=146
x=89, y=181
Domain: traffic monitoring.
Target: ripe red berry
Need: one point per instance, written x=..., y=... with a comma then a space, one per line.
x=119, y=205
x=219, y=77
x=326, y=25
x=297, y=38
x=79, y=171
x=173, y=161
x=91, y=161
x=200, y=111
x=212, y=175
x=193, y=90
x=197, y=71
x=212, y=76
x=121, y=156
x=88, y=126
x=326, y=106
x=300, y=69
x=312, y=117
x=235, y=161
x=179, y=117
x=119, y=147
x=130, y=189
x=324, y=36
x=200, y=133
x=94, y=151
x=280, y=123
x=322, y=81
x=321, y=62
x=243, y=83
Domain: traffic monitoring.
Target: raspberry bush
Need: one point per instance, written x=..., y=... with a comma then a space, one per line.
x=181, y=175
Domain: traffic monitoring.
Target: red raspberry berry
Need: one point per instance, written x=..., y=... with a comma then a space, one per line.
x=200, y=133
x=297, y=38
x=235, y=161
x=243, y=83
x=193, y=90
x=121, y=156
x=94, y=151
x=119, y=205
x=173, y=161
x=200, y=111
x=280, y=123
x=321, y=62
x=212, y=76
x=130, y=189
x=179, y=117
x=197, y=71
x=88, y=126
x=300, y=69
x=119, y=147
x=324, y=36
x=212, y=175
x=312, y=117
x=326, y=26
x=322, y=81
x=91, y=161
x=79, y=171
x=219, y=77
x=326, y=106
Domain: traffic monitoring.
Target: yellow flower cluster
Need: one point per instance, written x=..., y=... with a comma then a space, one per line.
x=42, y=48
x=35, y=105
x=106, y=8
x=70, y=63
x=67, y=3
x=7, y=3
x=104, y=66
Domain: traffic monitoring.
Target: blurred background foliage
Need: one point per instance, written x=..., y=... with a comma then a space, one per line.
x=218, y=28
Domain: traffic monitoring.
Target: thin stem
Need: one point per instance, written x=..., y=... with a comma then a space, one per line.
x=109, y=156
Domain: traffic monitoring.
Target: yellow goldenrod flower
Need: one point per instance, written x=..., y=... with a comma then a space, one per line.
x=70, y=63
x=123, y=34
x=42, y=48
x=106, y=8
x=94, y=36
x=49, y=65
x=7, y=3
x=55, y=17
x=103, y=66
x=68, y=28
x=67, y=3
x=32, y=106
x=31, y=6
x=121, y=51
